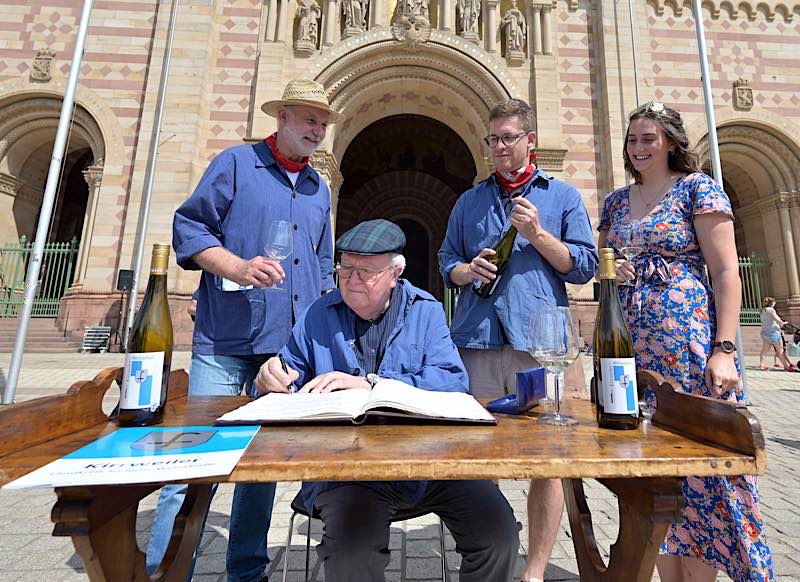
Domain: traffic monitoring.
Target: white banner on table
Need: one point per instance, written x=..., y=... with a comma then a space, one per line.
x=146, y=455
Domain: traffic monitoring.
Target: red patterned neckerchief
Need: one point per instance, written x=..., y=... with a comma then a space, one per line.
x=289, y=165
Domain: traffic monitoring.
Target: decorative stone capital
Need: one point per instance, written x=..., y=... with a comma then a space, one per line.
x=550, y=159
x=9, y=185
x=93, y=176
x=326, y=164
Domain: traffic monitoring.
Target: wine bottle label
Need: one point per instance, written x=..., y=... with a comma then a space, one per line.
x=617, y=392
x=141, y=382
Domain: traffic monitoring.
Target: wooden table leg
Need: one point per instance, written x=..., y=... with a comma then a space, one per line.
x=102, y=524
x=647, y=506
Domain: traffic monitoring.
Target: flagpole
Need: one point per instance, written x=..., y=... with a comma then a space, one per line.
x=48, y=200
x=152, y=158
x=713, y=151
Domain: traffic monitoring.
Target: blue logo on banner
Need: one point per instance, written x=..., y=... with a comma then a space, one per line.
x=144, y=380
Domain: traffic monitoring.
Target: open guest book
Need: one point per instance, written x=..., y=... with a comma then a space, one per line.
x=389, y=398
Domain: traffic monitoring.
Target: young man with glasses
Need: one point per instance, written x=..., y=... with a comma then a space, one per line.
x=554, y=246
x=379, y=325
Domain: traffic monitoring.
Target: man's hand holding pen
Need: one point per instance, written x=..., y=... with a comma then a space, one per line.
x=276, y=376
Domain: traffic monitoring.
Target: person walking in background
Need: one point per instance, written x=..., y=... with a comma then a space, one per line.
x=684, y=331
x=772, y=336
x=221, y=229
x=554, y=246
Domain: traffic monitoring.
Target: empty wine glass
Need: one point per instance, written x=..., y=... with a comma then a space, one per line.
x=555, y=344
x=279, y=244
x=632, y=243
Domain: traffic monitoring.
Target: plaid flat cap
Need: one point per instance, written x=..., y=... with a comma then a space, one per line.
x=372, y=237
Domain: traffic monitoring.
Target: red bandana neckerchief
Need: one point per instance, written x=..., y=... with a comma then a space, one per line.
x=519, y=179
x=290, y=166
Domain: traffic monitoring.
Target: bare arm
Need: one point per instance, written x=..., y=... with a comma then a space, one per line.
x=715, y=235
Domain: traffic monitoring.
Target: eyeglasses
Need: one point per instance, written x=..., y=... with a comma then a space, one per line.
x=366, y=275
x=508, y=139
x=655, y=107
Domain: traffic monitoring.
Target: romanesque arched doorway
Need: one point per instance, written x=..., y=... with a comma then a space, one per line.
x=409, y=169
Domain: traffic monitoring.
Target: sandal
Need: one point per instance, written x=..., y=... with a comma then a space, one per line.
x=792, y=368
x=763, y=367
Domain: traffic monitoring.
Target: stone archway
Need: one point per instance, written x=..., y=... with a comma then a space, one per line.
x=761, y=172
x=28, y=126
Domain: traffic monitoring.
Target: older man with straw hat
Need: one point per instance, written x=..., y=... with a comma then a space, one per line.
x=247, y=302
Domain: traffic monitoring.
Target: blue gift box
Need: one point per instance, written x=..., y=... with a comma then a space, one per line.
x=531, y=387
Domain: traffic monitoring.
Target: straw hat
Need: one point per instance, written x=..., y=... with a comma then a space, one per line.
x=303, y=92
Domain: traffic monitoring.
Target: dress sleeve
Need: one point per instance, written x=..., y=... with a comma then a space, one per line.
x=708, y=197
x=605, y=215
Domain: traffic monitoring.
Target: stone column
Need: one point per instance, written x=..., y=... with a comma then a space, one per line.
x=535, y=33
x=490, y=25
x=789, y=248
x=326, y=164
x=376, y=17
x=794, y=220
x=329, y=20
x=446, y=15
x=547, y=30
x=272, y=21
x=93, y=176
x=283, y=10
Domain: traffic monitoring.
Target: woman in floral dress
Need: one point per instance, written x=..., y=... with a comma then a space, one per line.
x=682, y=330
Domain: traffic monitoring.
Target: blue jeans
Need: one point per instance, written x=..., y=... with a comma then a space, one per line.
x=251, y=510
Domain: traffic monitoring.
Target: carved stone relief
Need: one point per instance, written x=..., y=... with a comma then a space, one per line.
x=42, y=69
x=742, y=95
x=308, y=27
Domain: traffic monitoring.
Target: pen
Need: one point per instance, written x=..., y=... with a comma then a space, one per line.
x=292, y=388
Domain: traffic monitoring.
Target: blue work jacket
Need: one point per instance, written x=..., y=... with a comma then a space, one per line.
x=419, y=352
x=241, y=192
x=478, y=221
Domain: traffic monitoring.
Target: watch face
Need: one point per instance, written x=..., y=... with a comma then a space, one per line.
x=727, y=346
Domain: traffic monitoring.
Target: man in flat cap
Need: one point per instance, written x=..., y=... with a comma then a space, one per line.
x=377, y=325
x=221, y=229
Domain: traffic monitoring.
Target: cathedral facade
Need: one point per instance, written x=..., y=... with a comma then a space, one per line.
x=416, y=80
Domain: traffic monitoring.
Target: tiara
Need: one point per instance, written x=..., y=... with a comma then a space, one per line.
x=655, y=107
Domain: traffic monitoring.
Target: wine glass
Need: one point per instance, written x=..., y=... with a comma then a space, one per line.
x=555, y=344
x=279, y=244
x=632, y=243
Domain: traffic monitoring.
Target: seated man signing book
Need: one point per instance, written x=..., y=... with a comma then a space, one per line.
x=377, y=325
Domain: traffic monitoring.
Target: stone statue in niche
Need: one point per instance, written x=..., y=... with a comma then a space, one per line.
x=355, y=16
x=468, y=12
x=516, y=30
x=42, y=69
x=308, y=27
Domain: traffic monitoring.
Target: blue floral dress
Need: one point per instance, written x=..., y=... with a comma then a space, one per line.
x=670, y=312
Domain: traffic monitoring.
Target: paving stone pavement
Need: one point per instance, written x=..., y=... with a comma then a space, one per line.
x=28, y=552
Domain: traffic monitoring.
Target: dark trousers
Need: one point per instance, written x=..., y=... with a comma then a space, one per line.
x=356, y=518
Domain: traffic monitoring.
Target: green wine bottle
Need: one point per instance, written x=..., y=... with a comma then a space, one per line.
x=614, y=364
x=149, y=351
x=502, y=253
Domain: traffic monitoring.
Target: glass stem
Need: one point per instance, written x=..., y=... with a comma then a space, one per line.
x=557, y=388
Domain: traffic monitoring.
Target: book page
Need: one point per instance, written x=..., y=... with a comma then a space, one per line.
x=281, y=407
x=456, y=405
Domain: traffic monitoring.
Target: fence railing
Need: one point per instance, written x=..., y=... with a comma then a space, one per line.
x=754, y=273
x=55, y=276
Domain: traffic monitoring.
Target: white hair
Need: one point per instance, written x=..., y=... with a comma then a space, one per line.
x=399, y=260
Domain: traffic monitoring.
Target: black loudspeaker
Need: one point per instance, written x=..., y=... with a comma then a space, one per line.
x=124, y=279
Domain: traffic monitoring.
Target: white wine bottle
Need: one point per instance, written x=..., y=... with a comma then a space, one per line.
x=614, y=364
x=149, y=351
x=502, y=253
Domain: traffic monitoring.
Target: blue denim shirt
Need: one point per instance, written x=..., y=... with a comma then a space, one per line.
x=241, y=192
x=419, y=351
x=529, y=281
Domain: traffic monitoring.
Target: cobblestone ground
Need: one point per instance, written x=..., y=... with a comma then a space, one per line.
x=29, y=553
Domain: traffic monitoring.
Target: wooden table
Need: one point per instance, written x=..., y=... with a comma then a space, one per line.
x=689, y=436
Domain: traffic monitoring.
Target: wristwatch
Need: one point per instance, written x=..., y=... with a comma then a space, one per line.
x=373, y=379
x=727, y=346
